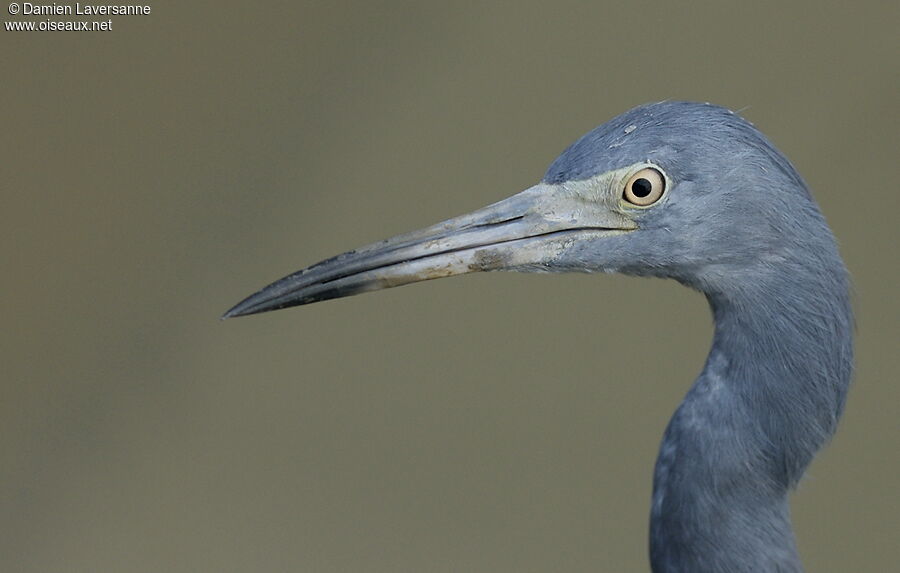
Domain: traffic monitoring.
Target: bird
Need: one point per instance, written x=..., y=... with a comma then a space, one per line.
x=695, y=193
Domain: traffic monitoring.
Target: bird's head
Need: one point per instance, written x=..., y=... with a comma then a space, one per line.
x=675, y=189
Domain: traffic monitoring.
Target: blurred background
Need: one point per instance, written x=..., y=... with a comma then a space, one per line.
x=155, y=174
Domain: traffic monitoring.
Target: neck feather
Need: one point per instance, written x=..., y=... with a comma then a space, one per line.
x=769, y=397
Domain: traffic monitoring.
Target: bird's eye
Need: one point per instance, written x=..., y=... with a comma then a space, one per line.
x=645, y=187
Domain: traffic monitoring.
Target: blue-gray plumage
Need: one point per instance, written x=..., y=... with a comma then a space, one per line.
x=694, y=193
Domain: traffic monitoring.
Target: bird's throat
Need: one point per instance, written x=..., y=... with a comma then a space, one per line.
x=769, y=397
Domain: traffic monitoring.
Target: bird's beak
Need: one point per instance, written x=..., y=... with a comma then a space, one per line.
x=529, y=231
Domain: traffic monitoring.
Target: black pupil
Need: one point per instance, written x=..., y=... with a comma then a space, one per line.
x=641, y=188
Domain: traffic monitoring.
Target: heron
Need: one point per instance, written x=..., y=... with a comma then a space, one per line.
x=695, y=193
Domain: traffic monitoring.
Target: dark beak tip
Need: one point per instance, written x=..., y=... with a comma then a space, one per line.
x=231, y=313
x=260, y=302
x=240, y=309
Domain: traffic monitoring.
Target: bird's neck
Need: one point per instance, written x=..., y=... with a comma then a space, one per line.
x=769, y=396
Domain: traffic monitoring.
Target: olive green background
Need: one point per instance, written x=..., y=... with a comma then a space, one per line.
x=155, y=174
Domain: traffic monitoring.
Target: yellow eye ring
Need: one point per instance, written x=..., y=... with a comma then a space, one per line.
x=645, y=187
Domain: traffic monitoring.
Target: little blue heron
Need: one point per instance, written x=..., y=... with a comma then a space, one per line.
x=695, y=193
